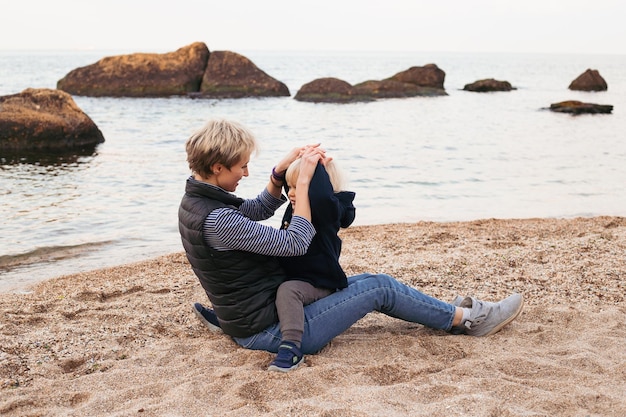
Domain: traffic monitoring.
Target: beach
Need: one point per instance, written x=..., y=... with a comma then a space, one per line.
x=123, y=341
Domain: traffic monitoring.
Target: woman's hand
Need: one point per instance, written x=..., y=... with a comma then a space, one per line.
x=294, y=154
x=308, y=162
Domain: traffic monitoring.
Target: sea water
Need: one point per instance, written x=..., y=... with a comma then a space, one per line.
x=459, y=157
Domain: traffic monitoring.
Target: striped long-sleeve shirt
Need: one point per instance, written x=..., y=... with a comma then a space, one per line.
x=239, y=229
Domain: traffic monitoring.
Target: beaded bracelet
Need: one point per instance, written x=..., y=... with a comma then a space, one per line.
x=273, y=181
x=277, y=176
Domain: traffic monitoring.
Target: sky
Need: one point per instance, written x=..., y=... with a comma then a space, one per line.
x=526, y=26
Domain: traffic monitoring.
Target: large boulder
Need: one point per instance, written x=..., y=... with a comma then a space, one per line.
x=488, y=85
x=140, y=74
x=392, y=88
x=230, y=75
x=429, y=75
x=590, y=80
x=329, y=90
x=44, y=120
x=416, y=81
x=578, y=107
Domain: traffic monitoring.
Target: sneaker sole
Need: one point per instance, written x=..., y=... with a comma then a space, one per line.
x=212, y=328
x=507, y=321
x=279, y=369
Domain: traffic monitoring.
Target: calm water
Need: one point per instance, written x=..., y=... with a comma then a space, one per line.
x=461, y=157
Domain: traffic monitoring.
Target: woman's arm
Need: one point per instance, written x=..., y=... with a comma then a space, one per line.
x=228, y=229
x=262, y=207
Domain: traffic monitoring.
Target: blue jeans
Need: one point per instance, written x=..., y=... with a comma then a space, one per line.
x=332, y=315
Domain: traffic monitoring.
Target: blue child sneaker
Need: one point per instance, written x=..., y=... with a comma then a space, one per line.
x=208, y=317
x=289, y=357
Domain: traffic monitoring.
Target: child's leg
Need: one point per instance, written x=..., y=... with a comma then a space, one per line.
x=291, y=298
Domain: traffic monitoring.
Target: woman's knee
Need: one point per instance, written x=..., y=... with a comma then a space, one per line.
x=382, y=280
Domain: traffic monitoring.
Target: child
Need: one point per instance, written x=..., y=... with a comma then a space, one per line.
x=317, y=273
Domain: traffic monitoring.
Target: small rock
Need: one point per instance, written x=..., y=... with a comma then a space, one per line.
x=590, y=80
x=488, y=85
x=578, y=107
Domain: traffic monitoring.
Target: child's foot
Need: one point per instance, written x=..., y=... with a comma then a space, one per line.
x=208, y=317
x=289, y=357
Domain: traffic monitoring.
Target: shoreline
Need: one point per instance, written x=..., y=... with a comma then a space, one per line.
x=123, y=340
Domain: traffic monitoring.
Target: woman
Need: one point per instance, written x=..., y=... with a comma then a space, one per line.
x=235, y=256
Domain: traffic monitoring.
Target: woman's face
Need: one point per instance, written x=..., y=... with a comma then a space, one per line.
x=228, y=178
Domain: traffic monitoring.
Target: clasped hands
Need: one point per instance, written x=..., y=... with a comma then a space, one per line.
x=309, y=155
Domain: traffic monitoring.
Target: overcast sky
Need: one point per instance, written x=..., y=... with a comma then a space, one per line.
x=545, y=26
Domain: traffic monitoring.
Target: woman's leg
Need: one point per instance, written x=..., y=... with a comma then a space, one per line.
x=334, y=314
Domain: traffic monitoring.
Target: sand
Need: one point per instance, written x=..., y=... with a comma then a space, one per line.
x=123, y=341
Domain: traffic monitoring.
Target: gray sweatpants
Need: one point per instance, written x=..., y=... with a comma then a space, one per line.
x=291, y=298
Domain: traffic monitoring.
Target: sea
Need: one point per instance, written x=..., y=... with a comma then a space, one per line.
x=460, y=157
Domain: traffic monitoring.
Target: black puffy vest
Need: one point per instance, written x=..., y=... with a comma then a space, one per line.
x=240, y=285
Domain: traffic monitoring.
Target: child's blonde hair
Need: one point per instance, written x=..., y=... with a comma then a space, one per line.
x=219, y=141
x=337, y=178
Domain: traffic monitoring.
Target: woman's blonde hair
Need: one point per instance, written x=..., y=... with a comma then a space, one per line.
x=337, y=178
x=218, y=141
